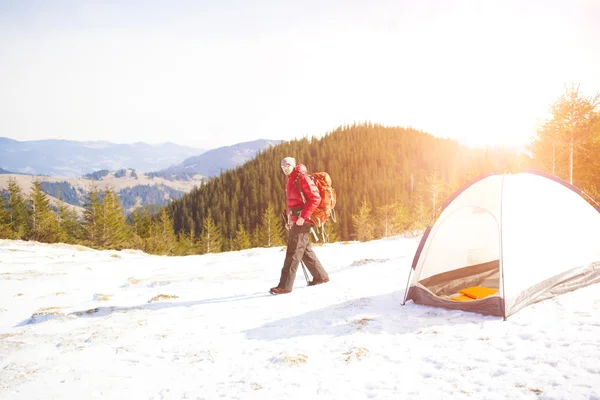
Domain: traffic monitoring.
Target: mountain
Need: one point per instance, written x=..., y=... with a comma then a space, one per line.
x=369, y=164
x=213, y=162
x=73, y=158
x=3, y=171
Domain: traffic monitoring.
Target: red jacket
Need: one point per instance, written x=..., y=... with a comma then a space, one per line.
x=294, y=198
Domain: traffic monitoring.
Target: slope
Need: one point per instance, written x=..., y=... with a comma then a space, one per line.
x=78, y=323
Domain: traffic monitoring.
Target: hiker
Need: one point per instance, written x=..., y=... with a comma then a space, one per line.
x=300, y=206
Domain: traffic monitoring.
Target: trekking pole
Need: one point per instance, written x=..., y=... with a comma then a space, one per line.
x=283, y=216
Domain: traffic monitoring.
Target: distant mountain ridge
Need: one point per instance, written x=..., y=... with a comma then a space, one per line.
x=73, y=158
x=134, y=188
x=213, y=162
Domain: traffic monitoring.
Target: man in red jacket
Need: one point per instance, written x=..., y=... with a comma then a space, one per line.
x=300, y=206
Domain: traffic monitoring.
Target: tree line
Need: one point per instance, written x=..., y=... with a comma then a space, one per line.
x=104, y=225
x=389, y=181
x=369, y=164
x=568, y=141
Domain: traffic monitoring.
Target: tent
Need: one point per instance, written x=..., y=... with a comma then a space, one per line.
x=505, y=241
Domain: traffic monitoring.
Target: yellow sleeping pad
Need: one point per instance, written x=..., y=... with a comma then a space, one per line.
x=461, y=298
x=478, y=292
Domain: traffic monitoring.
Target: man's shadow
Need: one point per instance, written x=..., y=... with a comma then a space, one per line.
x=374, y=315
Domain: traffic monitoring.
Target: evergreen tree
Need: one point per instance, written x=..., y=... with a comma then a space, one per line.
x=16, y=209
x=392, y=220
x=43, y=226
x=113, y=228
x=210, y=238
x=162, y=239
x=567, y=139
x=420, y=213
x=363, y=223
x=186, y=244
x=5, y=232
x=242, y=239
x=92, y=217
x=331, y=233
x=255, y=237
x=69, y=227
x=141, y=222
x=270, y=231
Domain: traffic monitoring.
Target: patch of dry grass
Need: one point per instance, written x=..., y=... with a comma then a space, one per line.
x=295, y=360
x=18, y=294
x=356, y=354
x=161, y=296
x=102, y=297
x=59, y=293
x=115, y=256
x=132, y=281
x=361, y=323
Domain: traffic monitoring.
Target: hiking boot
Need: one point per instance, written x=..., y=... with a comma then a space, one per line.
x=318, y=281
x=278, y=290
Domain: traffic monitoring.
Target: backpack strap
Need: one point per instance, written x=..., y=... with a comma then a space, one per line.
x=297, y=182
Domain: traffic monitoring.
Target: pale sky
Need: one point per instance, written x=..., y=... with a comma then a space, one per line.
x=210, y=74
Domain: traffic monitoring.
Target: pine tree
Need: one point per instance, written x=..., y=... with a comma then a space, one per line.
x=162, y=239
x=17, y=210
x=69, y=227
x=92, y=217
x=270, y=229
x=363, y=223
x=113, y=229
x=210, y=238
x=186, y=244
x=331, y=232
x=391, y=220
x=140, y=222
x=566, y=141
x=43, y=226
x=5, y=232
x=419, y=211
x=255, y=237
x=242, y=239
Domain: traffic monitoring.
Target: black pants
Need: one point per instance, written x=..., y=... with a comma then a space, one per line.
x=298, y=248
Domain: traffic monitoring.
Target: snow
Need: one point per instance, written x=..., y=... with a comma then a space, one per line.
x=76, y=323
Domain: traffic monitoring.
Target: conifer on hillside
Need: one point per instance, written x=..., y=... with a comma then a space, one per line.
x=211, y=240
x=18, y=213
x=43, y=226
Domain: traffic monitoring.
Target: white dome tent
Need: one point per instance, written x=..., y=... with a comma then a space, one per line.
x=504, y=242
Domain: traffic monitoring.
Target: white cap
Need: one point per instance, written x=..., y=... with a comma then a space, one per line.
x=288, y=160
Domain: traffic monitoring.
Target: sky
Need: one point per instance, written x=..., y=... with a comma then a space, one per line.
x=77, y=323
x=210, y=74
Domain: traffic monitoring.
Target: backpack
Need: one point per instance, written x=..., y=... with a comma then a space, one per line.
x=325, y=209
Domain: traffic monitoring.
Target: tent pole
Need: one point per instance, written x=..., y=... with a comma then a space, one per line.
x=501, y=261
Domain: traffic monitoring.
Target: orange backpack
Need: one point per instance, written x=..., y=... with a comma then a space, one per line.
x=325, y=209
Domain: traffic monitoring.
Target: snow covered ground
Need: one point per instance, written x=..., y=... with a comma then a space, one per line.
x=77, y=323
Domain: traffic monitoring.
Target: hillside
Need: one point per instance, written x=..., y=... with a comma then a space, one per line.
x=367, y=163
x=128, y=185
x=213, y=162
x=76, y=323
x=73, y=158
